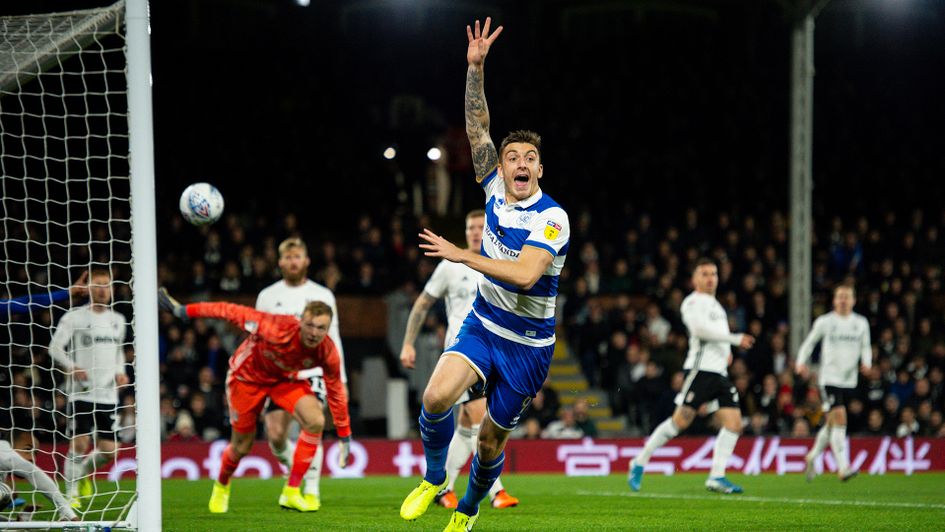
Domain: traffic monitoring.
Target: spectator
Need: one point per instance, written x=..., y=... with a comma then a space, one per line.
x=582, y=418
x=564, y=428
x=908, y=426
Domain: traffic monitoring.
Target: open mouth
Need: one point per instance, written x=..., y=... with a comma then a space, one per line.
x=521, y=179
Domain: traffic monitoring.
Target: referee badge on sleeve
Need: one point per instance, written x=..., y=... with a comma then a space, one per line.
x=552, y=230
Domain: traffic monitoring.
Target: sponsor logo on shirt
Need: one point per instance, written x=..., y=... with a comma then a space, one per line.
x=505, y=250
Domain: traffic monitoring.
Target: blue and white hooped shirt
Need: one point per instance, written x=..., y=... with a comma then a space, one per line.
x=523, y=316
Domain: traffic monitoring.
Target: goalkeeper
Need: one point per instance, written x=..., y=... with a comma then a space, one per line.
x=267, y=365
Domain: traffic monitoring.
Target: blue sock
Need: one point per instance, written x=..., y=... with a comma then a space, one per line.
x=482, y=476
x=436, y=431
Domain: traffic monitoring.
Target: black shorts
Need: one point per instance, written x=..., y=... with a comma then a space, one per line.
x=87, y=418
x=318, y=386
x=700, y=387
x=835, y=396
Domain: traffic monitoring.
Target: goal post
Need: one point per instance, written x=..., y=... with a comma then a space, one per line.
x=77, y=172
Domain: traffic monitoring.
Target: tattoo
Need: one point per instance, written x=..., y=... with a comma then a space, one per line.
x=484, y=155
x=416, y=318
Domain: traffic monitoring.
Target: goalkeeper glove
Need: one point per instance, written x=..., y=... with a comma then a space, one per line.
x=344, y=452
x=169, y=304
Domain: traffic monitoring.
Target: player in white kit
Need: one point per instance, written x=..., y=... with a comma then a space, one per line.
x=89, y=346
x=457, y=283
x=289, y=296
x=845, y=347
x=706, y=381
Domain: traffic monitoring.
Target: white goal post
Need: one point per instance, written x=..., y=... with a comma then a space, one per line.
x=77, y=195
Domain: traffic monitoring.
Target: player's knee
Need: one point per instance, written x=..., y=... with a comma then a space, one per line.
x=242, y=446
x=489, y=448
x=313, y=423
x=275, y=432
x=435, y=401
x=683, y=417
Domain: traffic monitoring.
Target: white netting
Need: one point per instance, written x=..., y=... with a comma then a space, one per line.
x=65, y=210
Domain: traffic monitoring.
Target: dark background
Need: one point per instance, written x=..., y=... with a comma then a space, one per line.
x=670, y=104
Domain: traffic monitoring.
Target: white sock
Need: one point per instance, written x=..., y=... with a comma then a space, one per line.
x=314, y=474
x=838, y=443
x=459, y=452
x=666, y=431
x=496, y=488
x=724, y=446
x=820, y=443
x=15, y=464
x=285, y=455
x=73, y=471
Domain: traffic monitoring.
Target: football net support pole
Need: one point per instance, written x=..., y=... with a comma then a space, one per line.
x=76, y=161
x=801, y=169
x=144, y=265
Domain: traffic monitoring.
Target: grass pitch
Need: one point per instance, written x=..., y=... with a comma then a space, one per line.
x=553, y=502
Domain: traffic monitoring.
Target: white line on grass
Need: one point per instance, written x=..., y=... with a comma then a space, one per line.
x=748, y=498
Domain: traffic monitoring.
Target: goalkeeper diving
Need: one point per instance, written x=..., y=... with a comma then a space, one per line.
x=267, y=364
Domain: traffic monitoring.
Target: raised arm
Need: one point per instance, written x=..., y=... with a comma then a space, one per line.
x=484, y=155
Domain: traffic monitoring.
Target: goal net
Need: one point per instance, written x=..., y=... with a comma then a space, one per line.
x=65, y=212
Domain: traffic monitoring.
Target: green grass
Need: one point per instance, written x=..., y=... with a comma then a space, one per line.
x=553, y=502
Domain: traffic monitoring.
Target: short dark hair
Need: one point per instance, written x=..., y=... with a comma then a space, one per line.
x=318, y=308
x=521, y=135
x=476, y=213
x=703, y=261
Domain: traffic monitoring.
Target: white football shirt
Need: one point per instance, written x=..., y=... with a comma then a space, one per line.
x=710, y=339
x=280, y=298
x=846, y=345
x=457, y=284
x=93, y=342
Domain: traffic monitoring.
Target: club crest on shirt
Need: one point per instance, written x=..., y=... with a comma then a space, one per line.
x=552, y=230
x=308, y=362
x=524, y=218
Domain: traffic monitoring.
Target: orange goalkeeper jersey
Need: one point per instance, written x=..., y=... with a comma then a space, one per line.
x=274, y=352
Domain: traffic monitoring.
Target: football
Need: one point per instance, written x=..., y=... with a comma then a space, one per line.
x=201, y=204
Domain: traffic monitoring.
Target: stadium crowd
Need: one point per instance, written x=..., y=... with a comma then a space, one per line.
x=620, y=312
x=628, y=267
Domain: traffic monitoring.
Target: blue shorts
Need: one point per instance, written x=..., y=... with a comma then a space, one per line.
x=512, y=373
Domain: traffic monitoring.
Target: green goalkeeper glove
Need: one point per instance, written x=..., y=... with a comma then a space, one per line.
x=345, y=452
x=169, y=304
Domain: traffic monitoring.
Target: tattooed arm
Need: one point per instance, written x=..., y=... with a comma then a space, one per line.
x=484, y=155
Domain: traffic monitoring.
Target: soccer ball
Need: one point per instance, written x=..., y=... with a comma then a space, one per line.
x=201, y=204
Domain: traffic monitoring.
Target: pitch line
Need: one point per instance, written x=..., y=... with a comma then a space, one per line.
x=748, y=498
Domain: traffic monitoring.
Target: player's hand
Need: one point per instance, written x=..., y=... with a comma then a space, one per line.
x=344, y=451
x=865, y=370
x=81, y=287
x=80, y=374
x=747, y=341
x=802, y=371
x=437, y=246
x=408, y=356
x=121, y=379
x=169, y=304
x=480, y=41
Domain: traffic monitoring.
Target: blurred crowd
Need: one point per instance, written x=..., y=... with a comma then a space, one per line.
x=635, y=351
x=618, y=314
